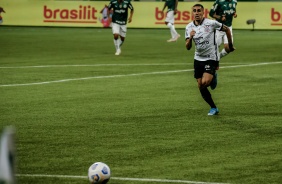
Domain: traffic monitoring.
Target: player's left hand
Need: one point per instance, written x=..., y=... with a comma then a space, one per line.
x=223, y=18
x=235, y=15
x=129, y=20
x=175, y=11
x=231, y=48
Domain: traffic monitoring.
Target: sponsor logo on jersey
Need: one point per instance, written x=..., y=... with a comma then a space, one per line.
x=119, y=11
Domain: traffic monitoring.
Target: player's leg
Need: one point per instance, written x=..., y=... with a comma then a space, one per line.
x=206, y=95
x=219, y=41
x=219, y=38
x=169, y=21
x=213, y=83
x=123, y=30
x=122, y=35
x=225, y=51
x=203, y=86
x=116, y=33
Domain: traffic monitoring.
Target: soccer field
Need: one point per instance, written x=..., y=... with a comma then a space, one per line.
x=73, y=103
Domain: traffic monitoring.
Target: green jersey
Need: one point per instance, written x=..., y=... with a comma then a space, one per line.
x=170, y=5
x=120, y=13
x=224, y=7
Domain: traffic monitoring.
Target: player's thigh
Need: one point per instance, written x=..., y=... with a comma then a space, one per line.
x=116, y=28
x=225, y=37
x=209, y=71
x=201, y=67
x=207, y=78
x=198, y=69
x=219, y=37
x=170, y=17
x=204, y=72
x=123, y=30
x=208, y=68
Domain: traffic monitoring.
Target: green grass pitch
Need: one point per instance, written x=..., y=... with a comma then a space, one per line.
x=73, y=102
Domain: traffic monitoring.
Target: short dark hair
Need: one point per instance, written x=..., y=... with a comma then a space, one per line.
x=199, y=5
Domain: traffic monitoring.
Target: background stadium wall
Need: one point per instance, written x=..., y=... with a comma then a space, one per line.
x=268, y=15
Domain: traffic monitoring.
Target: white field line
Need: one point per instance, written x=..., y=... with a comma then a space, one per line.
x=134, y=74
x=118, y=178
x=96, y=77
x=95, y=65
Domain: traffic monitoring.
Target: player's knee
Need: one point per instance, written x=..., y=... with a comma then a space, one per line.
x=116, y=36
x=206, y=83
x=202, y=85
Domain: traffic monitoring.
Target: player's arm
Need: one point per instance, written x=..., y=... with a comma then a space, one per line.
x=175, y=9
x=229, y=37
x=2, y=10
x=131, y=13
x=219, y=17
x=213, y=10
x=164, y=6
x=235, y=13
x=109, y=7
x=103, y=9
x=189, y=40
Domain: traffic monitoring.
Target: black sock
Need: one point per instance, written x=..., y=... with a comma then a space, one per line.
x=207, y=97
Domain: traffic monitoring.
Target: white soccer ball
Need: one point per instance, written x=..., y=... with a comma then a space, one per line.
x=99, y=172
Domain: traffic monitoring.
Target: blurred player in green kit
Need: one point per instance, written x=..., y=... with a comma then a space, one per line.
x=224, y=11
x=169, y=20
x=119, y=21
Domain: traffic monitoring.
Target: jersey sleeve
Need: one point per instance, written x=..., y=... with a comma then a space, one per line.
x=130, y=6
x=110, y=5
x=235, y=2
x=218, y=25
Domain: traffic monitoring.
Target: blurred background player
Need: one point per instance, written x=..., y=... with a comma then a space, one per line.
x=169, y=20
x=119, y=21
x=1, y=10
x=106, y=17
x=224, y=11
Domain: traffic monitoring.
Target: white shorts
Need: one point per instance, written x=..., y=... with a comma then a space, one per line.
x=119, y=29
x=170, y=17
x=221, y=36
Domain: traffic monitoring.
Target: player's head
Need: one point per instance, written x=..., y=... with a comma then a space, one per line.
x=198, y=11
